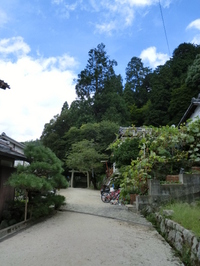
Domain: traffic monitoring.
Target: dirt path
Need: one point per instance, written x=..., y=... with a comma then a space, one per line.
x=79, y=236
x=89, y=201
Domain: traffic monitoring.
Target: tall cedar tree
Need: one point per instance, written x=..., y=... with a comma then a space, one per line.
x=100, y=89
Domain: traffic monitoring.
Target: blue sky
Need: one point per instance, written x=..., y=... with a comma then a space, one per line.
x=44, y=45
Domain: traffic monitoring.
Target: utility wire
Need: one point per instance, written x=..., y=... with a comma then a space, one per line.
x=164, y=27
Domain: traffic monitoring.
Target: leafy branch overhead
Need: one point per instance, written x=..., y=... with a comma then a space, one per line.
x=4, y=85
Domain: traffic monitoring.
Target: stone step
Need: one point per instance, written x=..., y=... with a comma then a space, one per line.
x=131, y=207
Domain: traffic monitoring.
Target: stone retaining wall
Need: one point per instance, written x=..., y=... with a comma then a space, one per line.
x=180, y=238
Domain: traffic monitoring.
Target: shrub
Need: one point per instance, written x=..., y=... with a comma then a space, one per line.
x=58, y=201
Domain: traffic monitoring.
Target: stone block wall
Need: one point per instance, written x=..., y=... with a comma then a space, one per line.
x=188, y=189
x=180, y=238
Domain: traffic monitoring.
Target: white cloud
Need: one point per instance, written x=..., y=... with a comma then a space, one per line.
x=166, y=3
x=152, y=58
x=104, y=27
x=116, y=15
x=71, y=7
x=194, y=24
x=64, y=8
x=139, y=2
x=15, y=45
x=57, y=2
x=94, y=4
x=3, y=18
x=112, y=15
x=120, y=14
x=196, y=39
x=39, y=87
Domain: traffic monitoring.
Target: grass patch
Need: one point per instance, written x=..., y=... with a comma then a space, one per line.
x=187, y=215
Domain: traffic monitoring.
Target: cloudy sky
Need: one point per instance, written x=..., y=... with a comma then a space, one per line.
x=44, y=45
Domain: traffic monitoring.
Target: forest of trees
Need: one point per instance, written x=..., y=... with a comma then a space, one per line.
x=156, y=97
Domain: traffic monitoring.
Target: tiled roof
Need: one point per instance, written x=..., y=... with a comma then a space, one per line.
x=7, y=151
x=130, y=131
x=3, y=136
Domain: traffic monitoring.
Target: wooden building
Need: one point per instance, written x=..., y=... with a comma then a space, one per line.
x=10, y=152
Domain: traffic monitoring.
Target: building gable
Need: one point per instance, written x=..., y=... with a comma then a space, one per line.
x=192, y=112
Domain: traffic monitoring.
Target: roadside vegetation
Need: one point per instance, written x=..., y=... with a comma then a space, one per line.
x=162, y=151
x=187, y=215
x=35, y=186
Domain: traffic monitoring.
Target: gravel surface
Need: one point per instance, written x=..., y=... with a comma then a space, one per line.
x=89, y=201
x=78, y=235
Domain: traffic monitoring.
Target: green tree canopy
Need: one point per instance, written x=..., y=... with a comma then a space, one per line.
x=84, y=157
x=158, y=98
x=136, y=82
x=125, y=151
x=44, y=173
x=193, y=76
x=99, y=67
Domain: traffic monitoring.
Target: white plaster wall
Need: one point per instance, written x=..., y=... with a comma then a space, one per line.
x=196, y=113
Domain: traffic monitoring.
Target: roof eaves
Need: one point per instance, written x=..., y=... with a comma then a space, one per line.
x=189, y=111
x=7, y=151
x=5, y=137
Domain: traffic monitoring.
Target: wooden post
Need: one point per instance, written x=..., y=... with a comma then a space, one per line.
x=26, y=205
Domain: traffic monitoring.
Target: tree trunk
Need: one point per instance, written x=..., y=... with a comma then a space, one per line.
x=94, y=182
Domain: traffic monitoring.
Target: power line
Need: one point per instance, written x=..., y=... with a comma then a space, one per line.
x=164, y=27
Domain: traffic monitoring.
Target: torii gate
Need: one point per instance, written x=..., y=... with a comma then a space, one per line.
x=73, y=177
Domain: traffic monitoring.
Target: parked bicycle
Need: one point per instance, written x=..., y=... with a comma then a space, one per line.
x=107, y=197
x=104, y=188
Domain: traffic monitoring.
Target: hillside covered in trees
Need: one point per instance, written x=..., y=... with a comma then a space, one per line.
x=156, y=97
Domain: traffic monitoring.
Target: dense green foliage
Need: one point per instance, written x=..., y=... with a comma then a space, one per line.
x=84, y=157
x=193, y=140
x=163, y=151
x=87, y=146
x=149, y=97
x=124, y=152
x=42, y=175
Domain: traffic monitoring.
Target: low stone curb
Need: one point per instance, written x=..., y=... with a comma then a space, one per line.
x=182, y=239
x=8, y=231
x=13, y=229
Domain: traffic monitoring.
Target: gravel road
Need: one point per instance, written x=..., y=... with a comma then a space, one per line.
x=88, y=232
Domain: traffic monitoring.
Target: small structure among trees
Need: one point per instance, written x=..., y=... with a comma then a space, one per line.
x=79, y=179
